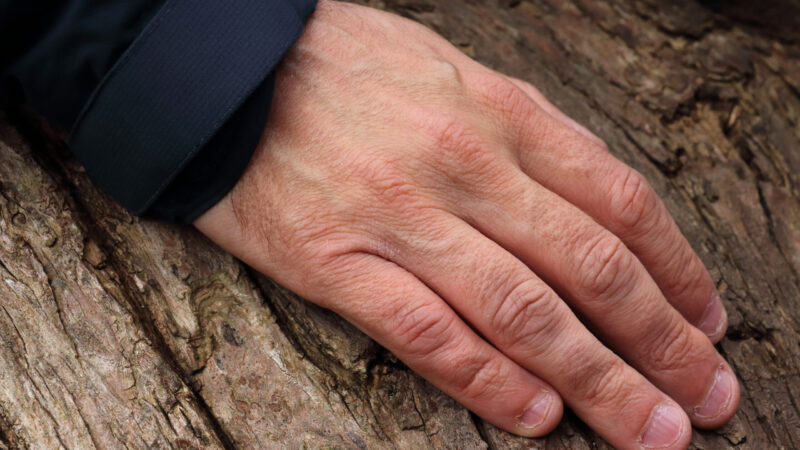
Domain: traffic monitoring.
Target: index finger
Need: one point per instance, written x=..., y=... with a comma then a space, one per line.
x=621, y=200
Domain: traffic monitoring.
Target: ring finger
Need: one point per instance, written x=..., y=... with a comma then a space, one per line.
x=599, y=277
x=516, y=311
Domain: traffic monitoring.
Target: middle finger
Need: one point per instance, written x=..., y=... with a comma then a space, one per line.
x=518, y=313
x=596, y=273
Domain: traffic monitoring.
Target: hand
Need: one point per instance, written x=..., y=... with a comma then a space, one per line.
x=463, y=222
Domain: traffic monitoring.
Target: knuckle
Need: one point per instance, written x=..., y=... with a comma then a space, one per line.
x=443, y=73
x=422, y=330
x=525, y=314
x=388, y=184
x=687, y=277
x=496, y=90
x=672, y=349
x=507, y=97
x=460, y=155
x=385, y=177
x=517, y=112
x=475, y=377
x=458, y=141
x=633, y=203
x=605, y=268
x=604, y=383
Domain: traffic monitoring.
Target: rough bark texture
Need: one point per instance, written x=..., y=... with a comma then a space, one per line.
x=120, y=332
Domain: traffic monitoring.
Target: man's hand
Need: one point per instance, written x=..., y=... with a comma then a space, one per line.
x=463, y=222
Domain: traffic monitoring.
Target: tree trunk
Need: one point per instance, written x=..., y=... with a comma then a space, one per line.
x=116, y=331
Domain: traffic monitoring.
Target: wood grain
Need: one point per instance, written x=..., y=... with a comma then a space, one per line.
x=120, y=332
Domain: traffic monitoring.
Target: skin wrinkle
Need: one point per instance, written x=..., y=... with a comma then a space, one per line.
x=442, y=208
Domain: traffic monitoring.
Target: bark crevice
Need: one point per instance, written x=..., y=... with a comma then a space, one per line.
x=117, y=331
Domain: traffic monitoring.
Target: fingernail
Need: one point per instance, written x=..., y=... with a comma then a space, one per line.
x=719, y=396
x=664, y=428
x=537, y=410
x=713, y=320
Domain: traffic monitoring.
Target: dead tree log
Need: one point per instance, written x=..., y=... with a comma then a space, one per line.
x=116, y=331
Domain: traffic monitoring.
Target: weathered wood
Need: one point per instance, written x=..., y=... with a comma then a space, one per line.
x=116, y=331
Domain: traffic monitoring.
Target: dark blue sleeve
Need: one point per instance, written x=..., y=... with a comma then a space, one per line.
x=166, y=121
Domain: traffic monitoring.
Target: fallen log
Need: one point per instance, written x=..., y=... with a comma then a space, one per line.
x=117, y=331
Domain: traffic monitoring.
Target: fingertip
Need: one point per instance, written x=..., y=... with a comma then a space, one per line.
x=720, y=402
x=723, y=328
x=668, y=427
x=714, y=320
x=541, y=415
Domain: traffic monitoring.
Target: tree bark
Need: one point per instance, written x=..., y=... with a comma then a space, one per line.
x=116, y=331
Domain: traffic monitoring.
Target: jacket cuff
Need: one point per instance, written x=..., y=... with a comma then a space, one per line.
x=216, y=168
x=181, y=80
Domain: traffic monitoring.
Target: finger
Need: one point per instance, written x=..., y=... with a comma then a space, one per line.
x=580, y=170
x=606, y=283
x=499, y=296
x=621, y=199
x=402, y=314
x=551, y=109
